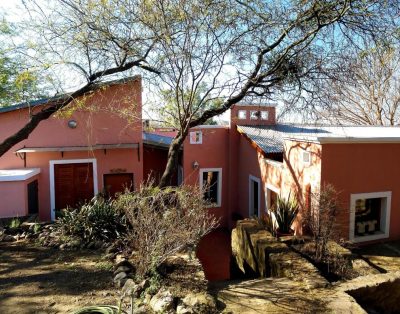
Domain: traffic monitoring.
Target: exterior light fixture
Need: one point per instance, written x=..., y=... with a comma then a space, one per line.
x=195, y=165
x=72, y=124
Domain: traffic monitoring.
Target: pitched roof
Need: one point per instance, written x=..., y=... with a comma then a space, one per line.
x=44, y=101
x=270, y=138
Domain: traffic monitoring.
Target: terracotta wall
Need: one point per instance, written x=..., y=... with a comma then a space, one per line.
x=14, y=197
x=291, y=176
x=249, y=162
x=212, y=153
x=364, y=168
x=108, y=116
x=112, y=116
x=235, y=119
x=154, y=162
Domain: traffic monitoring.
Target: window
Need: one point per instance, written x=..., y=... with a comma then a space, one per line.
x=306, y=158
x=264, y=115
x=254, y=115
x=370, y=216
x=242, y=114
x=196, y=137
x=211, y=183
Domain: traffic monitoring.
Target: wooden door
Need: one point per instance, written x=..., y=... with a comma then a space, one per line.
x=73, y=184
x=117, y=182
x=33, y=197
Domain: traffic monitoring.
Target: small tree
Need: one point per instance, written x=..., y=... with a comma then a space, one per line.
x=164, y=222
x=321, y=219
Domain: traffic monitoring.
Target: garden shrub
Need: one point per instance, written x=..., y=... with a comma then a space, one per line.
x=163, y=222
x=96, y=220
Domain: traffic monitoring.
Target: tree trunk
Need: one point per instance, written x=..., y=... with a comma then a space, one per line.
x=173, y=155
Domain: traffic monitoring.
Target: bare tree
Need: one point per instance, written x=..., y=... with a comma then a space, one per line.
x=368, y=93
x=232, y=48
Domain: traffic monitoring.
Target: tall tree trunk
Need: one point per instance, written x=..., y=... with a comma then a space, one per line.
x=173, y=156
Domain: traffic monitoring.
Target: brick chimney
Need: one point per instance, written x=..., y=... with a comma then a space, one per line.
x=248, y=114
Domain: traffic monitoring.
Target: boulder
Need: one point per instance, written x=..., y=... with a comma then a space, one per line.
x=197, y=303
x=7, y=238
x=162, y=302
x=120, y=279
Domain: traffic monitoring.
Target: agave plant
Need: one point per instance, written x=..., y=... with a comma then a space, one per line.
x=285, y=212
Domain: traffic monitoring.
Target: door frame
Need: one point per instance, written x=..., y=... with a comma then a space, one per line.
x=251, y=180
x=93, y=161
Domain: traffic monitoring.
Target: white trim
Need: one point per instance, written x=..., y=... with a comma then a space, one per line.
x=256, y=117
x=385, y=224
x=18, y=174
x=261, y=115
x=242, y=111
x=269, y=187
x=193, y=137
x=255, y=179
x=69, y=161
x=202, y=170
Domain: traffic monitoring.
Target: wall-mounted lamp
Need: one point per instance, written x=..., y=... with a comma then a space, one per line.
x=72, y=124
x=195, y=165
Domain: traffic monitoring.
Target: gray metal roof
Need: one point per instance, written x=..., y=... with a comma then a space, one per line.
x=270, y=138
x=156, y=139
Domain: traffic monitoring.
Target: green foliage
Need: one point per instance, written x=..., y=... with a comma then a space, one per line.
x=17, y=82
x=15, y=223
x=285, y=212
x=36, y=228
x=95, y=220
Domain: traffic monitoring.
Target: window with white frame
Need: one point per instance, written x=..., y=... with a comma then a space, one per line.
x=196, y=137
x=264, y=115
x=254, y=115
x=370, y=216
x=211, y=184
x=242, y=114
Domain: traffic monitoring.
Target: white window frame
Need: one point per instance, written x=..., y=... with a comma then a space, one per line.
x=255, y=179
x=306, y=163
x=384, y=224
x=255, y=117
x=200, y=141
x=52, y=179
x=219, y=170
x=245, y=114
x=264, y=112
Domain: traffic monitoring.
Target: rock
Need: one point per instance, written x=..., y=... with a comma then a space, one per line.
x=162, y=302
x=197, y=303
x=122, y=269
x=120, y=279
x=129, y=287
x=7, y=238
x=143, y=309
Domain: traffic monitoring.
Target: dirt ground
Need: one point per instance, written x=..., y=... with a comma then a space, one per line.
x=43, y=280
